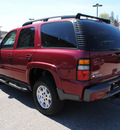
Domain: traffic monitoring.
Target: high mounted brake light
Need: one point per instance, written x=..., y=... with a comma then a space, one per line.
x=83, y=69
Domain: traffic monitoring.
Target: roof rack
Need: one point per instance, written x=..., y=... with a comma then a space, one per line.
x=68, y=16
x=46, y=19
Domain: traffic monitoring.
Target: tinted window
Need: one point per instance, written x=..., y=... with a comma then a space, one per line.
x=26, y=38
x=102, y=36
x=58, y=34
x=9, y=40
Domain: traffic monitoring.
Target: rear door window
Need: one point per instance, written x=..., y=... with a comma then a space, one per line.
x=58, y=35
x=26, y=38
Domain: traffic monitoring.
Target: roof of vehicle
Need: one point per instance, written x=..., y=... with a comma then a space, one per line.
x=78, y=16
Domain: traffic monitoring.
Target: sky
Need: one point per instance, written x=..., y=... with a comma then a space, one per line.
x=13, y=13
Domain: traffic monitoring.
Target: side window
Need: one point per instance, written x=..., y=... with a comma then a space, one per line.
x=58, y=34
x=9, y=40
x=26, y=38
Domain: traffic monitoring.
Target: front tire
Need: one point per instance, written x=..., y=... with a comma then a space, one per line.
x=46, y=98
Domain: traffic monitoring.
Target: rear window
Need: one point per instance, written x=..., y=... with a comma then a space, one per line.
x=58, y=35
x=102, y=36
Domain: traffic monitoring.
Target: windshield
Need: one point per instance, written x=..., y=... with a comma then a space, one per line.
x=101, y=36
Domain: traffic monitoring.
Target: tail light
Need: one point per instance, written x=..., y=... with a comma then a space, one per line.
x=83, y=69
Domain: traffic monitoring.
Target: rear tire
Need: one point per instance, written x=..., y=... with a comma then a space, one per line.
x=46, y=98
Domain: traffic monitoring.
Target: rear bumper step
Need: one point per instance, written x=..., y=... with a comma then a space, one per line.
x=102, y=90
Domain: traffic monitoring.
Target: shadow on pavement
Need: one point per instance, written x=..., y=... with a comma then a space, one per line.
x=24, y=97
x=103, y=114
x=94, y=115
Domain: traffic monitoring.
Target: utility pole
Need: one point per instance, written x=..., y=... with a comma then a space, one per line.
x=97, y=5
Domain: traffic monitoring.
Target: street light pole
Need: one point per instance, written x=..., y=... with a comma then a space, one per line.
x=97, y=5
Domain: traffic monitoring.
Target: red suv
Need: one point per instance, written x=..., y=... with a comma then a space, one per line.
x=62, y=58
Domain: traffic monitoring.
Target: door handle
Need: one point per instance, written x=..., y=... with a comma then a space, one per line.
x=10, y=56
x=29, y=57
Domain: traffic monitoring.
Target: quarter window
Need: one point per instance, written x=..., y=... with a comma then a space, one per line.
x=26, y=38
x=58, y=35
x=8, y=41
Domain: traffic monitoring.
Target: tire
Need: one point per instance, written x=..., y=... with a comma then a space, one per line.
x=46, y=98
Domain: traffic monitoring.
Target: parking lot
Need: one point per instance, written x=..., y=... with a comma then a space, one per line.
x=18, y=112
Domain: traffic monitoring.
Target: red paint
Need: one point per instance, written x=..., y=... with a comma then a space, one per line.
x=99, y=95
x=21, y=71
x=62, y=63
x=103, y=64
x=116, y=23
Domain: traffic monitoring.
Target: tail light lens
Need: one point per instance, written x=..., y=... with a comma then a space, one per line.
x=83, y=69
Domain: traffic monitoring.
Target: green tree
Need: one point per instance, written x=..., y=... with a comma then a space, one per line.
x=111, y=17
x=104, y=15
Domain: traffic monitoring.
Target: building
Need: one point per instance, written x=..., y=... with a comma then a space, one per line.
x=3, y=34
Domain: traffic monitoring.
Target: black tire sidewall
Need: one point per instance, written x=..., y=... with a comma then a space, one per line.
x=54, y=97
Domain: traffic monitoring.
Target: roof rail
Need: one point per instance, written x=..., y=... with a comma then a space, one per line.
x=68, y=16
x=46, y=19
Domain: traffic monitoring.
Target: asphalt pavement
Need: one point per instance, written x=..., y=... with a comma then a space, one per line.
x=18, y=112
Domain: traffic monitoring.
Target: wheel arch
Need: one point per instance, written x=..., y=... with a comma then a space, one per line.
x=36, y=70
